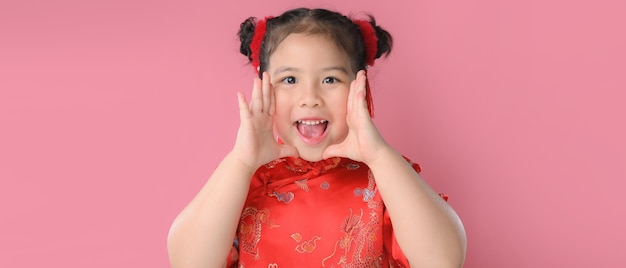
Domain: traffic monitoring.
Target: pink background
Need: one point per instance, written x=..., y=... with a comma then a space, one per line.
x=114, y=113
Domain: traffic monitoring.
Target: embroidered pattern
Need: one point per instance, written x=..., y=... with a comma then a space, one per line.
x=366, y=193
x=359, y=238
x=303, y=184
x=300, y=165
x=273, y=163
x=325, y=185
x=284, y=197
x=358, y=244
x=297, y=237
x=250, y=234
x=333, y=164
x=369, y=192
x=351, y=166
x=308, y=246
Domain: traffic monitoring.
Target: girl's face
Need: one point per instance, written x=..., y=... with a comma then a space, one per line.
x=311, y=76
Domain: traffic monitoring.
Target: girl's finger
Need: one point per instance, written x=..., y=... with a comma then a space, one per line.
x=354, y=97
x=244, y=110
x=256, y=102
x=361, y=96
x=351, y=95
x=266, y=92
x=272, y=106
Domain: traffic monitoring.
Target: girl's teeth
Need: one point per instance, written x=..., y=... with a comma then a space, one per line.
x=312, y=122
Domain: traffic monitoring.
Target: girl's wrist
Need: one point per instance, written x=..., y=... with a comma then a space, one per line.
x=383, y=155
x=237, y=160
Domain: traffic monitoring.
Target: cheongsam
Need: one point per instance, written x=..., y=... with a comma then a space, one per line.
x=315, y=214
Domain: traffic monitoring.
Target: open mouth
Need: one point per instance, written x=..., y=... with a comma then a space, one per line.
x=312, y=130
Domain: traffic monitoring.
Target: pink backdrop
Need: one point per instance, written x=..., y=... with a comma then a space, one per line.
x=114, y=113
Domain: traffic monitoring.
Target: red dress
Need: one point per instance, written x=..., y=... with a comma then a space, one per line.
x=315, y=214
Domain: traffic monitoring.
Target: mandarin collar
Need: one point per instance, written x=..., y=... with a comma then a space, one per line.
x=299, y=165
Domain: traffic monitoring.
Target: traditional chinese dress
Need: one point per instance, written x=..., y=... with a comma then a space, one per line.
x=315, y=214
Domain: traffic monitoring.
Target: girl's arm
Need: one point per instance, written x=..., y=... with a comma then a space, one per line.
x=203, y=233
x=427, y=229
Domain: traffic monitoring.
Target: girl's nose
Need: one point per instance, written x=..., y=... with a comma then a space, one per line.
x=310, y=96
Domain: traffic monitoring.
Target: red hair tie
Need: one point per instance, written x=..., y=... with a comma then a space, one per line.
x=257, y=39
x=370, y=40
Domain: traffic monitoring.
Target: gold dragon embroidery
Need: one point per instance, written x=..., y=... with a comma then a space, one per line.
x=250, y=233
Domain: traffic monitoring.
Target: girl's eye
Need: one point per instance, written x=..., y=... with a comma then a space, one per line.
x=289, y=80
x=330, y=80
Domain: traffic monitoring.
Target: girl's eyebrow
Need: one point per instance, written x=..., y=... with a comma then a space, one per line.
x=336, y=68
x=285, y=69
x=325, y=69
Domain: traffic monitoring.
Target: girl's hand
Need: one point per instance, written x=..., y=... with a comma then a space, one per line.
x=363, y=143
x=255, y=144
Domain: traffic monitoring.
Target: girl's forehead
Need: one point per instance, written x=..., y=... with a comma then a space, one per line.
x=303, y=49
x=317, y=38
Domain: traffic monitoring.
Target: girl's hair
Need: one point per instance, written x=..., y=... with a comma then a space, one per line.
x=335, y=26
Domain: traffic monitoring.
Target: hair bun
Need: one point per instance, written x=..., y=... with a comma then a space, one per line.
x=246, y=33
x=385, y=41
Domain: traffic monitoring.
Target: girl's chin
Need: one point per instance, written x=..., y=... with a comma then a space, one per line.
x=311, y=159
x=310, y=155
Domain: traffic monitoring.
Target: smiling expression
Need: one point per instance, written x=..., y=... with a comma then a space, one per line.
x=311, y=77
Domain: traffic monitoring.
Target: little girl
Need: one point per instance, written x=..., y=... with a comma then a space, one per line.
x=310, y=182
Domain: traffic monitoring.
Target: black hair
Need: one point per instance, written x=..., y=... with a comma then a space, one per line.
x=339, y=28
